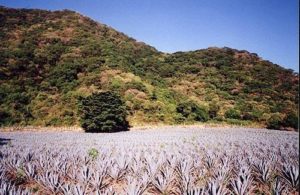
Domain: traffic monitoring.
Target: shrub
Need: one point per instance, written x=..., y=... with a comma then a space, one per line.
x=20, y=176
x=274, y=122
x=291, y=120
x=93, y=153
x=213, y=109
x=103, y=112
x=237, y=122
x=179, y=119
x=116, y=84
x=219, y=118
x=153, y=95
x=253, y=116
x=192, y=111
x=233, y=114
x=258, y=115
x=136, y=85
x=5, y=118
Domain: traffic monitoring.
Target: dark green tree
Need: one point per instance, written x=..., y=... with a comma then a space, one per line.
x=103, y=112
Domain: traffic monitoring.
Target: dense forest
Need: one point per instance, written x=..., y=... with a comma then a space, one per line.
x=50, y=59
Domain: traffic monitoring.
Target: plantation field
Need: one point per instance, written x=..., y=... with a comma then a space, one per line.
x=164, y=160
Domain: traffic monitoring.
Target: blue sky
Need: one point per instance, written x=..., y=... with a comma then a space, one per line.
x=266, y=27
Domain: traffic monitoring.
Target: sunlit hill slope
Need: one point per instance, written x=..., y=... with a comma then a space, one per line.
x=49, y=59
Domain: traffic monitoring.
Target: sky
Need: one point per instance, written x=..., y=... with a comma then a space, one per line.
x=267, y=27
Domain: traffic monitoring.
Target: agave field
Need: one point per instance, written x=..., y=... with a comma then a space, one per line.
x=170, y=160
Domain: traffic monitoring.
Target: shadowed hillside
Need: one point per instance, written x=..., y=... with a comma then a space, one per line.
x=50, y=59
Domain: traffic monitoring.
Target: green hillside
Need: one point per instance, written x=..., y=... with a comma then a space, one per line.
x=50, y=59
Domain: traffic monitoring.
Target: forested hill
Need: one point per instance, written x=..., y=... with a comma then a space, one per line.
x=49, y=59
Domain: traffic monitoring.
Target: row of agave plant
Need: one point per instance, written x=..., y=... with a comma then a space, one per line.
x=188, y=167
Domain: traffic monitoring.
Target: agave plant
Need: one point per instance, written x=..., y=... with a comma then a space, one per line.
x=63, y=167
x=108, y=191
x=79, y=189
x=184, y=169
x=30, y=170
x=116, y=173
x=98, y=180
x=291, y=175
x=13, y=162
x=85, y=174
x=210, y=160
x=222, y=174
x=134, y=186
x=277, y=187
x=163, y=179
x=51, y=181
x=241, y=185
x=215, y=187
x=6, y=188
x=263, y=169
x=195, y=191
x=66, y=188
x=152, y=167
